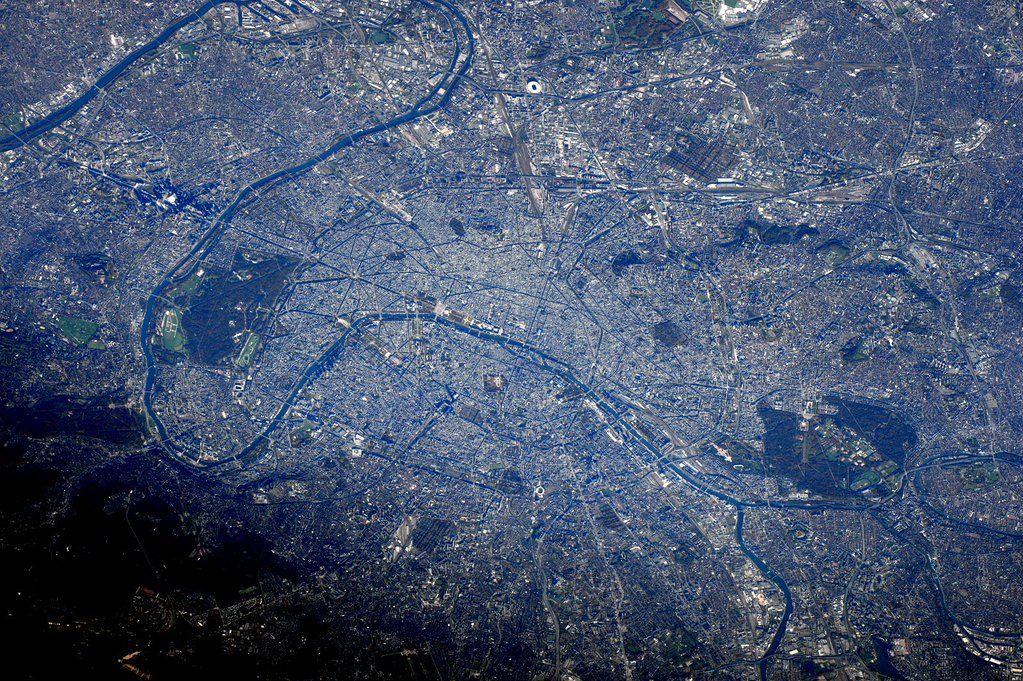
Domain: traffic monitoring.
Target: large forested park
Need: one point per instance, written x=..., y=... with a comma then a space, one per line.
x=556, y=341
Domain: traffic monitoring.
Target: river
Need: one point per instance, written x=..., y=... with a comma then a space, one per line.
x=61, y=115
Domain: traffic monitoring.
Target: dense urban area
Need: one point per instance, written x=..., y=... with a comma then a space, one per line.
x=511, y=339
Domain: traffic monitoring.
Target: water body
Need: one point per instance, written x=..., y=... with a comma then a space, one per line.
x=778, y=581
x=958, y=460
x=61, y=115
x=561, y=369
x=884, y=665
x=425, y=106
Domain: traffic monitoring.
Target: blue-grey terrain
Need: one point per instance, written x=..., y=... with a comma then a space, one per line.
x=511, y=339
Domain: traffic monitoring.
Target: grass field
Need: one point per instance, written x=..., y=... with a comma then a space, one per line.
x=171, y=332
x=248, y=350
x=188, y=287
x=78, y=331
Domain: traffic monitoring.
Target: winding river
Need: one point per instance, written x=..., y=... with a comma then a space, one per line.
x=435, y=99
